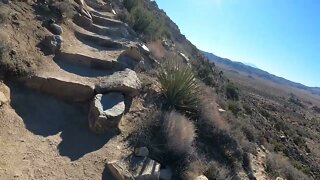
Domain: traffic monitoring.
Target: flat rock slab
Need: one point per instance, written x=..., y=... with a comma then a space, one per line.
x=145, y=168
x=125, y=81
x=106, y=111
x=63, y=88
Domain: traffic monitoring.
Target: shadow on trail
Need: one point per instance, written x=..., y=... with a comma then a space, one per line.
x=44, y=115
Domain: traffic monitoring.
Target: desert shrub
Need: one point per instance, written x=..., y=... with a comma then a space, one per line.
x=278, y=146
x=248, y=109
x=208, y=110
x=130, y=4
x=234, y=107
x=216, y=171
x=143, y=20
x=278, y=166
x=194, y=169
x=179, y=87
x=179, y=133
x=232, y=92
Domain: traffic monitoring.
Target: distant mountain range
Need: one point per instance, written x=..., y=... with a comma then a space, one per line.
x=253, y=70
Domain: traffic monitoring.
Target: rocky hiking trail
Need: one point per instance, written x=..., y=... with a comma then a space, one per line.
x=62, y=123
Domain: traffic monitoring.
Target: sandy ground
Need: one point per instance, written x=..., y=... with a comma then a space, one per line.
x=44, y=138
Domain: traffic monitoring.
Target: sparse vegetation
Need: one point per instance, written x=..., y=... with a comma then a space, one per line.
x=278, y=166
x=179, y=87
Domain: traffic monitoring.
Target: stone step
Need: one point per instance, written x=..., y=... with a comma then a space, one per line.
x=120, y=32
x=107, y=22
x=104, y=7
x=73, y=88
x=66, y=89
x=103, y=15
x=94, y=40
x=87, y=61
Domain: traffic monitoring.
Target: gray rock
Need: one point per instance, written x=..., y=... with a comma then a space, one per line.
x=145, y=168
x=55, y=29
x=125, y=81
x=144, y=49
x=106, y=111
x=118, y=171
x=142, y=152
x=166, y=174
x=53, y=43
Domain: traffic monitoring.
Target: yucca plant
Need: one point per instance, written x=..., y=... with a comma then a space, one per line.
x=179, y=87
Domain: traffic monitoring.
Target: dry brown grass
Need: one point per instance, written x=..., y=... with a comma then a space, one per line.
x=157, y=50
x=179, y=133
x=278, y=166
x=208, y=108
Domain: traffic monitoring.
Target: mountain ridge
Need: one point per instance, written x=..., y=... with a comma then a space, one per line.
x=239, y=66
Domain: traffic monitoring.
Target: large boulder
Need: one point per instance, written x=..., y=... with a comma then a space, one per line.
x=106, y=111
x=125, y=81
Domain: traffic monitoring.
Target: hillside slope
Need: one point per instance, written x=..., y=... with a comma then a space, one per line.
x=238, y=66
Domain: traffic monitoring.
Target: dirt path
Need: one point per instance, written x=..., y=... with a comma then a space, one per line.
x=258, y=165
x=45, y=138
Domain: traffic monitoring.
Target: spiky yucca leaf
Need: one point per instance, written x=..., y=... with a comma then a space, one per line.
x=179, y=87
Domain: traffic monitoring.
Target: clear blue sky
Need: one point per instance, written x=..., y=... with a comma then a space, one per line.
x=279, y=36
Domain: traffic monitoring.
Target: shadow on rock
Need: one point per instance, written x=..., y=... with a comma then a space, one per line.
x=81, y=70
x=45, y=116
x=107, y=175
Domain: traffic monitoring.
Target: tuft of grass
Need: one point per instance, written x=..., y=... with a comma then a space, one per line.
x=179, y=132
x=179, y=87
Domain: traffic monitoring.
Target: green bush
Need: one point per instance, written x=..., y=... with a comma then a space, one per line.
x=129, y=4
x=232, y=92
x=234, y=107
x=179, y=87
x=143, y=20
